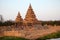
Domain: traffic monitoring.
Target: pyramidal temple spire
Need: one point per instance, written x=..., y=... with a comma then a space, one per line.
x=18, y=18
x=30, y=15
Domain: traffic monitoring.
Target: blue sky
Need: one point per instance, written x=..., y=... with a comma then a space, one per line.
x=44, y=9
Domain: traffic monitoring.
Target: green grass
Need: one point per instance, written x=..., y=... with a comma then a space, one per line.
x=12, y=38
x=50, y=36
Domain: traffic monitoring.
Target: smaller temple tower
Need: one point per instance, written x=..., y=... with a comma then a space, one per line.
x=18, y=18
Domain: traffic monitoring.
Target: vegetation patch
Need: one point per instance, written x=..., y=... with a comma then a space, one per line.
x=50, y=36
x=12, y=38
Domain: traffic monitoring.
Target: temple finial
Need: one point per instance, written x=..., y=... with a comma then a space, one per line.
x=30, y=7
x=19, y=13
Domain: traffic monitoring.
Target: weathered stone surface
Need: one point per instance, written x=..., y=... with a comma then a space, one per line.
x=30, y=16
x=31, y=33
x=18, y=18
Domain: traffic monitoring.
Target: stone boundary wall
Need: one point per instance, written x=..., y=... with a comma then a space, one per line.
x=31, y=33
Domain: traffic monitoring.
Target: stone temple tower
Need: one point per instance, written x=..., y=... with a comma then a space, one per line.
x=30, y=16
x=18, y=18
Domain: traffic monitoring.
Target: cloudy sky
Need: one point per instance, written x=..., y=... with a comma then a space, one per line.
x=44, y=9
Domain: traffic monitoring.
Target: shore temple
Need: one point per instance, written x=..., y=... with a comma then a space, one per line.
x=29, y=17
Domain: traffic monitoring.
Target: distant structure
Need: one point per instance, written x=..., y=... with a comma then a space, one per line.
x=30, y=27
x=1, y=18
x=18, y=18
x=29, y=18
